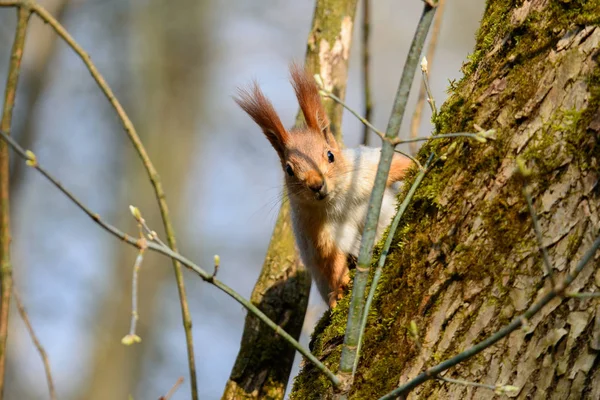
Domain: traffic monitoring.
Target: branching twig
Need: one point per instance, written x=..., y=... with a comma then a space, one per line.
x=384, y=253
x=357, y=302
x=482, y=136
x=433, y=37
x=31, y=6
x=10, y=92
x=36, y=342
x=365, y=122
x=366, y=30
x=156, y=247
x=515, y=324
x=173, y=389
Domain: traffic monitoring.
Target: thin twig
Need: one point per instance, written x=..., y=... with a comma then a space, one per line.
x=498, y=389
x=32, y=6
x=425, y=75
x=583, y=295
x=36, y=342
x=173, y=389
x=433, y=39
x=132, y=337
x=515, y=324
x=217, y=264
x=366, y=60
x=384, y=252
x=465, y=383
x=366, y=123
x=156, y=247
x=538, y=234
x=357, y=302
x=482, y=136
x=475, y=136
x=6, y=283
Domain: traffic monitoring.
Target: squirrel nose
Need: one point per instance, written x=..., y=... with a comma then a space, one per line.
x=316, y=186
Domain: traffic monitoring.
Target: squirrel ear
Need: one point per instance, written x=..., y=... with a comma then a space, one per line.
x=309, y=99
x=260, y=109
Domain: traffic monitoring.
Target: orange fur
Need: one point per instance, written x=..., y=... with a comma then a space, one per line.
x=400, y=164
x=309, y=99
x=333, y=262
x=260, y=109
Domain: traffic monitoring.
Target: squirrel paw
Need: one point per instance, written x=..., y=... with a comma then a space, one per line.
x=338, y=293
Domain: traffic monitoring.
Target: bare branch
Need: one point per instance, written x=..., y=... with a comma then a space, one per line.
x=132, y=336
x=36, y=342
x=498, y=389
x=173, y=389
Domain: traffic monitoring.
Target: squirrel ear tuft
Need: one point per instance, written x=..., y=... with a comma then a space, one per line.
x=260, y=109
x=309, y=99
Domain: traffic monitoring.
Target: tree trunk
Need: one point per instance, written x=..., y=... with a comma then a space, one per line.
x=465, y=261
x=264, y=362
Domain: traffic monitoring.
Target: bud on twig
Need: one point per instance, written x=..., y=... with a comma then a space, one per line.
x=424, y=65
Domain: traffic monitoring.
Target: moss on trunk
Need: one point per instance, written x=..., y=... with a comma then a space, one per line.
x=464, y=261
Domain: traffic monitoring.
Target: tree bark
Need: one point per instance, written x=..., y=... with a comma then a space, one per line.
x=465, y=261
x=264, y=362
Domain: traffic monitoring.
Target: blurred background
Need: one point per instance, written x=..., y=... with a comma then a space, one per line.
x=175, y=66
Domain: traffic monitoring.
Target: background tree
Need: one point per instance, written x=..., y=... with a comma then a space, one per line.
x=465, y=261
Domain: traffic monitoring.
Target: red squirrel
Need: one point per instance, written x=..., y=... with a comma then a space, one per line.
x=328, y=187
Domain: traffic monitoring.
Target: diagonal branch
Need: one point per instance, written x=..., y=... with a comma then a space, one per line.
x=162, y=249
x=36, y=342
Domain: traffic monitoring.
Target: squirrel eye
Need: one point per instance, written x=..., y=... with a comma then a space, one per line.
x=330, y=157
x=289, y=170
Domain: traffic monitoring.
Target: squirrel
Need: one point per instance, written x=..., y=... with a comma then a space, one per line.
x=328, y=187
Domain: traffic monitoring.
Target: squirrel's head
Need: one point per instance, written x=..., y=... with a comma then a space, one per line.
x=310, y=156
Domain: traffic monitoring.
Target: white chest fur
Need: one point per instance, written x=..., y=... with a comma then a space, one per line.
x=342, y=219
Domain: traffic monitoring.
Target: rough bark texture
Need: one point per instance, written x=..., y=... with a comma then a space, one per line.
x=465, y=260
x=264, y=361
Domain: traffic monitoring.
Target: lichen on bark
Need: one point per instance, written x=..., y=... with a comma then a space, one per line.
x=465, y=261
